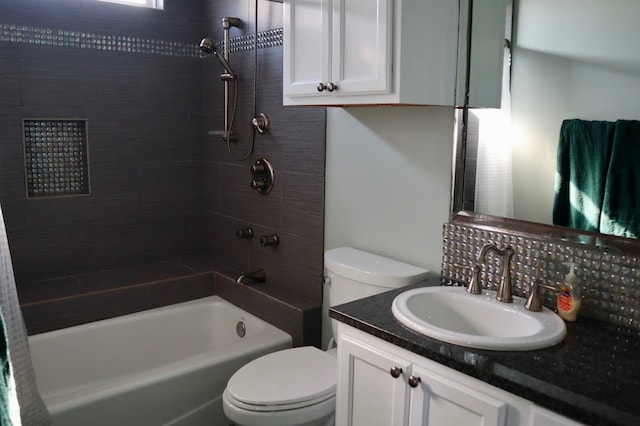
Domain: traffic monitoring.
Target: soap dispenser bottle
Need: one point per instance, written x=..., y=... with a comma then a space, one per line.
x=569, y=297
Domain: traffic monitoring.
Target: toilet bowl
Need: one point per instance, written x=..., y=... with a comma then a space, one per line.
x=297, y=387
x=293, y=387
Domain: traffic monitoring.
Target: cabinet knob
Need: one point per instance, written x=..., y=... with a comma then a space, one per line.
x=321, y=86
x=414, y=381
x=331, y=87
x=395, y=372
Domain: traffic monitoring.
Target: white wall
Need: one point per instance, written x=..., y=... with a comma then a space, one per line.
x=388, y=176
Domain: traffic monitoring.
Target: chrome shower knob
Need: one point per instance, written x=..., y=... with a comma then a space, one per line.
x=259, y=184
x=261, y=123
x=269, y=240
x=244, y=233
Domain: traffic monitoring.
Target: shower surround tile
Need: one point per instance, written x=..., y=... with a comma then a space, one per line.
x=160, y=185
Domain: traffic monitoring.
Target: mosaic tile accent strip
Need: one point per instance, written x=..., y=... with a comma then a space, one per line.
x=85, y=40
x=270, y=38
x=610, y=279
x=56, y=157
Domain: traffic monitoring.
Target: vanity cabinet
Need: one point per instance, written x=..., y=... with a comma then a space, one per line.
x=382, y=384
x=351, y=52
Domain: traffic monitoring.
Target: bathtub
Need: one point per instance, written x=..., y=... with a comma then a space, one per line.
x=165, y=366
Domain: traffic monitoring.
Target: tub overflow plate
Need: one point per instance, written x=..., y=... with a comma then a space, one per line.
x=241, y=329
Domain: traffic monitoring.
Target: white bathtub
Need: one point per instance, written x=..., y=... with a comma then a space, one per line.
x=166, y=366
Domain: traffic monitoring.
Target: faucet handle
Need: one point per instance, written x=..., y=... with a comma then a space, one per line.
x=474, y=285
x=534, y=300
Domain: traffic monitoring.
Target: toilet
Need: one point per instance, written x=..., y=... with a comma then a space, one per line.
x=297, y=387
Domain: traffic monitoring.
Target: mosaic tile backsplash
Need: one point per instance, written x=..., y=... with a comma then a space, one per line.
x=610, y=279
x=56, y=157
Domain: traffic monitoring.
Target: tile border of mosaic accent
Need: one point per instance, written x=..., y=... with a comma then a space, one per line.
x=610, y=278
x=117, y=43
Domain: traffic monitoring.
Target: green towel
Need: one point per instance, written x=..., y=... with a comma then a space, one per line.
x=621, y=204
x=584, y=151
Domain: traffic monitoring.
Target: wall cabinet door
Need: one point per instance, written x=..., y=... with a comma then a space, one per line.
x=442, y=401
x=307, y=41
x=361, y=47
x=337, y=48
x=356, y=52
x=369, y=392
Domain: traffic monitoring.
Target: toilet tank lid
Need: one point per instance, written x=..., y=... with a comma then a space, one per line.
x=371, y=268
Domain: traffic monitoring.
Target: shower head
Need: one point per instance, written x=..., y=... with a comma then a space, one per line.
x=207, y=45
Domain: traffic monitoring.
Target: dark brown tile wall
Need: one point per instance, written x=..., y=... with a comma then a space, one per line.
x=294, y=210
x=162, y=188
x=144, y=114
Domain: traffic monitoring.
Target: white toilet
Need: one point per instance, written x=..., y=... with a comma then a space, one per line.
x=297, y=387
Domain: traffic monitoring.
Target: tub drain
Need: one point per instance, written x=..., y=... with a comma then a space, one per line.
x=241, y=329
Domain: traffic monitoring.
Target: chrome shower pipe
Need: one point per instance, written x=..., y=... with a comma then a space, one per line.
x=227, y=23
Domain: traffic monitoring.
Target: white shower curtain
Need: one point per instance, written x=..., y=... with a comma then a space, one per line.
x=494, y=182
x=33, y=412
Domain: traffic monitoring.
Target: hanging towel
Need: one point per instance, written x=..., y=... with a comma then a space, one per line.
x=584, y=151
x=621, y=203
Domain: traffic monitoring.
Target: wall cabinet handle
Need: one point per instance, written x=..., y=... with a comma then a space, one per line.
x=395, y=372
x=414, y=381
x=331, y=87
x=321, y=86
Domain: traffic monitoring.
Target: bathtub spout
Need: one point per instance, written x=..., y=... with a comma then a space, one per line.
x=259, y=276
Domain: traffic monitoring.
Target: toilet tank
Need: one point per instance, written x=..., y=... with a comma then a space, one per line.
x=353, y=274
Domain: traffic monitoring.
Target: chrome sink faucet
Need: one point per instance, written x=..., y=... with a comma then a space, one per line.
x=504, y=289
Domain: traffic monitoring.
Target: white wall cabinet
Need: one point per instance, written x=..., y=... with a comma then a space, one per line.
x=382, y=384
x=358, y=52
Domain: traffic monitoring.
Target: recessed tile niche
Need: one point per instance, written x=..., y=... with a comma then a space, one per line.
x=56, y=157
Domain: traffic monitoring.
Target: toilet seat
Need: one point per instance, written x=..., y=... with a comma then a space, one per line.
x=285, y=380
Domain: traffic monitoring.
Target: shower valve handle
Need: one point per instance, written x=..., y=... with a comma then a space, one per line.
x=244, y=233
x=259, y=183
x=258, y=168
x=269, y=240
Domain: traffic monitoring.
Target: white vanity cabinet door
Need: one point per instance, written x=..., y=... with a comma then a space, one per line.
x=443, y=401
x=367, y=393
x=543, y=417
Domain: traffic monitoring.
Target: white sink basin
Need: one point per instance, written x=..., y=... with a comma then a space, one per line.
x=477, y=320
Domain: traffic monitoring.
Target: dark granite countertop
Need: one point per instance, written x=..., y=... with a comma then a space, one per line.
x=592, y=376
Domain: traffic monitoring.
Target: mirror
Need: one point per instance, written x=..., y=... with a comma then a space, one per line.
x=570, y=59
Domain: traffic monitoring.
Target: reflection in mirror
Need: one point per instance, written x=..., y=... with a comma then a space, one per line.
x=571, y=59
